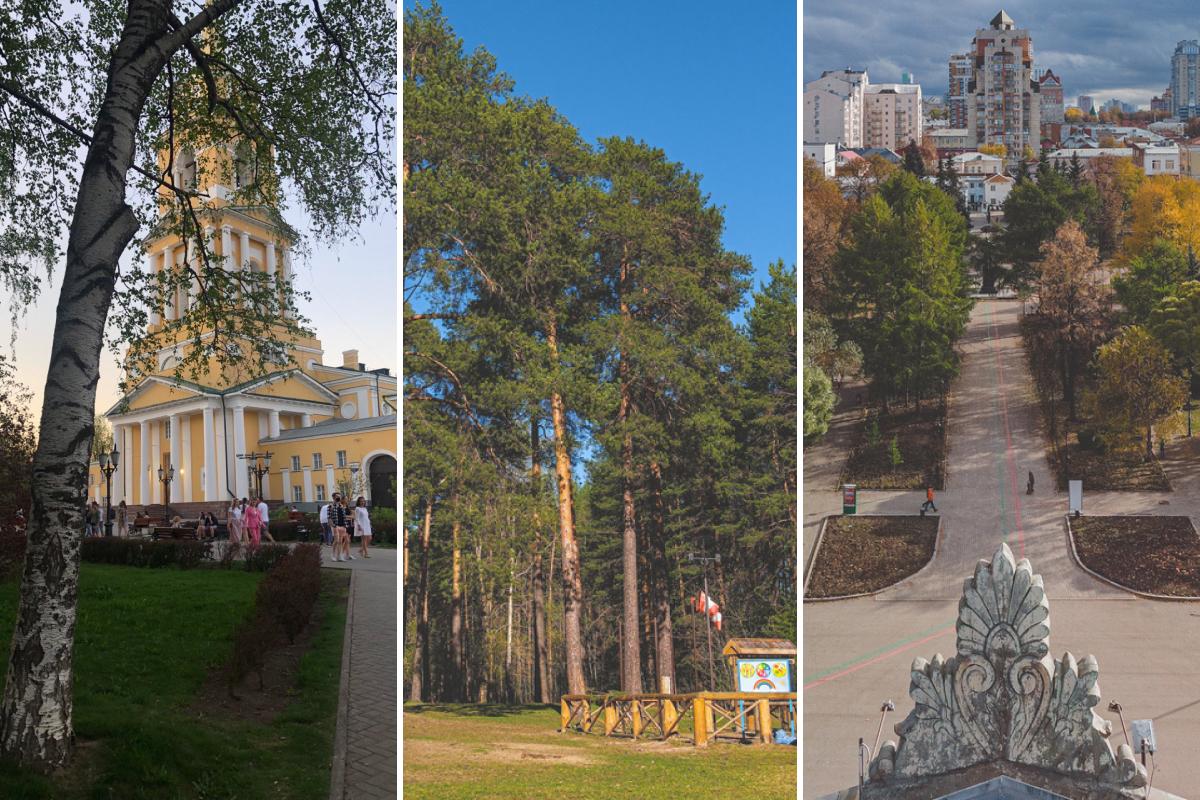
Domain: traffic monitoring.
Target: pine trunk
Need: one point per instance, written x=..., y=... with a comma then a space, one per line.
x=572, y=579
x=457, y=683
x=420, y=661
x=36, y=713
x=541, y=666
x=663, y=629
x=631, y=656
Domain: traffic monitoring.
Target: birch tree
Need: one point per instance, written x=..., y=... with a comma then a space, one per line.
x=98, y=100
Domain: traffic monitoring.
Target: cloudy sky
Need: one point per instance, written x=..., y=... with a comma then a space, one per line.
x=1101, y=48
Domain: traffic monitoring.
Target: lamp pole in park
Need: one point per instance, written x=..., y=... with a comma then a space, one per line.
x=108, y=465
x=166, y=475
x=258, y=465
x=704, y=562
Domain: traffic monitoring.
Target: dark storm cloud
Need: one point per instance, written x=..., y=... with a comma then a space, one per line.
x=1104, y=48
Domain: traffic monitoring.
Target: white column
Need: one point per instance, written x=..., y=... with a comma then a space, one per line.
x=183, y=295
x=306, y=420
x=118, y=478
x=185, y=461
x=155, y=459
x=176, y=459
x=330, y=485
x=285, y=475
x=210, y=461
x=241, y=480
x=224, y=491
x=308, y=490
x=144, y=464
x=274, y=424
x=243, y=249
x=262, y=424
x=125, y=442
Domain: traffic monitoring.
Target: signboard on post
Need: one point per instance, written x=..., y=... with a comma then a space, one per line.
x=849, y=498
x=1075, y=492
x=764, y=675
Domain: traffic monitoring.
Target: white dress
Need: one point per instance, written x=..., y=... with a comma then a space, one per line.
x=362, y=521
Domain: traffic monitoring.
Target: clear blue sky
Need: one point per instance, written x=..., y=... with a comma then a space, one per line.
x=712, y=84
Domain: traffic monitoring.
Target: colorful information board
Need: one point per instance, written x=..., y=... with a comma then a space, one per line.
x=764, y=675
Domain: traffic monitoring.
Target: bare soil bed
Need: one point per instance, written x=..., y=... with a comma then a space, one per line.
x=921, y=437
x=865, y=554
x=1159, y=555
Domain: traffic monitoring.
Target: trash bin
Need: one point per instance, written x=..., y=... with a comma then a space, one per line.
x=850, y=498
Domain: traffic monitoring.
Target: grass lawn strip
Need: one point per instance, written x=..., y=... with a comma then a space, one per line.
x=860, y=554
x=921, y=438
x=465, y=753
x=146, y=643
x=1157, y=555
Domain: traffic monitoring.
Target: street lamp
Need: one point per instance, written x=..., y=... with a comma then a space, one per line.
x=354, y=478
x=108, y=465
x=257, y=466
x=166, y=475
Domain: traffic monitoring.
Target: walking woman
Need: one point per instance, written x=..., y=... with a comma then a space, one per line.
x=362, y=526
x=123, y=520
x=252, y=523
x=337, y=518
x=233, y=520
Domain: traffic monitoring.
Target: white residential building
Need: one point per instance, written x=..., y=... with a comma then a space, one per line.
x=1157, y=159
x=892, y=115
x=996, y=189
x=977, y=164
x=833, y=108
x=824, y=154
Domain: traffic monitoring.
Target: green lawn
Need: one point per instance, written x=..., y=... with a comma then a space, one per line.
x=145, y=641
x=502, y=752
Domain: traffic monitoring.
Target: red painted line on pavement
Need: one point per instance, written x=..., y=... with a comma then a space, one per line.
x=1011, y=459
x=878, y=658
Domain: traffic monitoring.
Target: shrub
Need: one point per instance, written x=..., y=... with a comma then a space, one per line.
x=141, y=553
x=190, y=554
x=289, y=591
x=383, y=525
x=264, y=557
x=252, y=640
x=283, y=530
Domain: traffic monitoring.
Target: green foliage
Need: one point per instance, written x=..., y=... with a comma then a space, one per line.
x=1034, y=211
x=1151, y=276
x=902, y=288
x=873, y=430
x=1175, y=322
x=894, y=455
x=818, y=403
x=17, y=443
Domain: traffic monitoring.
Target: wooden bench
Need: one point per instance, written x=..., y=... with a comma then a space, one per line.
x=160, y=532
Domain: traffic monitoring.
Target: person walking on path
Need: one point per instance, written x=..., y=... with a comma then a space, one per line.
x=123, y=520
x=252, y=523
x=362, y=526
x=326, y=531
x=91, y=522
x=928, y=504
x=233, y=521
x=338, y=519
x=1029, y=488
x=264, y=514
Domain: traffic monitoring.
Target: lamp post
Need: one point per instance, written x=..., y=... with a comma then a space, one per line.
x=257, y=465
x=108, y=465
x=166, y=475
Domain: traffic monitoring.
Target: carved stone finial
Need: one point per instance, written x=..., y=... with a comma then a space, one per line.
x=1003, y=697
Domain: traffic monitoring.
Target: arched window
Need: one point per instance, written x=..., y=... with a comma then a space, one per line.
x=185, y=169
x=244, y=165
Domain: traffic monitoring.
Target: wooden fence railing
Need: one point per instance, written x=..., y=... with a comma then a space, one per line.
x=712, y=716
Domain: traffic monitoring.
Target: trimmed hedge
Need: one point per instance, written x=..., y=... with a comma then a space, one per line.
x=12, y=551
x=282, y=609
x=145, y=553
x=264, y=557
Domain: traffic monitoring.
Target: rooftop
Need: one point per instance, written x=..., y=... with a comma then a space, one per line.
x=332, y=427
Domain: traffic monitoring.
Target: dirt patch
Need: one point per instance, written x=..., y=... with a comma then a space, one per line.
x=865, y=554
x=920, y=438
x=279, y=675
x=1108, y=470
x=426, y=752
x=1159, y=555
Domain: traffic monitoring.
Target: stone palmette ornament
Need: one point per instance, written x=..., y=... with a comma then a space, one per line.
x=1002, y=697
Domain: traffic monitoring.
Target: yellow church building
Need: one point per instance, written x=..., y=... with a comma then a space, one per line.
x=326, y=427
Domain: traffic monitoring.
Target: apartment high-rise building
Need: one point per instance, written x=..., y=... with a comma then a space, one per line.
x=833, y=107
x=892, y=115
x=1052, y=97
x=1185, y=94
x=961, y=69
x=1087, y=104
x=1005, y=103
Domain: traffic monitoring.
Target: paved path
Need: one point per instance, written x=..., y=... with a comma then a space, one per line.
x=857, y=652
x=370, y=764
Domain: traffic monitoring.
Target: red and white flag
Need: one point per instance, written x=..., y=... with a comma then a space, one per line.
x=704, y=605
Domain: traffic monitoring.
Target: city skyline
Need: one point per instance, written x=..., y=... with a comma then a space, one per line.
x=1130, y=62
